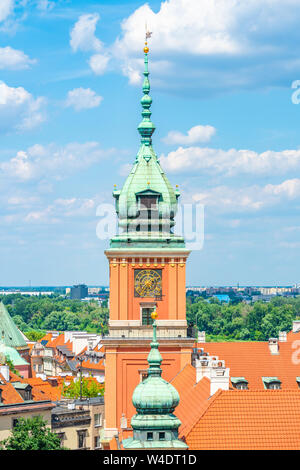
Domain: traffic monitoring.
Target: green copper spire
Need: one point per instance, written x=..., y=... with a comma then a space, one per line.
x=146, y=127
x=155, y=426
x=147, y=204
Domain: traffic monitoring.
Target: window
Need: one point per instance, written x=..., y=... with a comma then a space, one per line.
x=81, y=439
x=61, y=436
x=27, y=395
x=271, y=383
x=239, y=383
x=149, y=436
x=98, y=419
x=97, y=442
x=146, y=316
x=274, y=386
x=241, y=386
x=161, y=436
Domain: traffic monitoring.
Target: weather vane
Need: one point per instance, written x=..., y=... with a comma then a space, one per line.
x=148, y=33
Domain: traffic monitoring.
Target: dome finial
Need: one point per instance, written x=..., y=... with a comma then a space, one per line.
x=146, y=127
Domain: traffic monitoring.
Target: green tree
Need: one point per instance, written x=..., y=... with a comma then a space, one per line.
x=89, y=389
x=31, y=434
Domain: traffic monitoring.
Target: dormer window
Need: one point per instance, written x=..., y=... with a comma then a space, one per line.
x=148, y=202
x=239, y=383
x=147, y=205
x=271, y=383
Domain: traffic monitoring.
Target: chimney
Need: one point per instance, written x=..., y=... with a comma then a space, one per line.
x=273, y=346
x=296, y=326
x=201, y=336
x=282, y=336
x=214, y=369
x=90, y=345
x=4, y=370
x=219, y=379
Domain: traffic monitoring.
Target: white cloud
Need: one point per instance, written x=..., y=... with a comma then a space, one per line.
x=45, y=5
x=99, y=63
x=83, y=98
x=230, y=162
x=6, y=8
x=83, y=34
x=214, y=45
x=40, y=161
x=195, y=134
x=183, y=26
x=57, y=211
x=18, y=109
x=250, y=198
x=289, y=189
x=13, y=59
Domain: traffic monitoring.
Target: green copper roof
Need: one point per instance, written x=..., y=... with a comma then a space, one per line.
x=9, y=333
x=146, y=179
x=12, y=354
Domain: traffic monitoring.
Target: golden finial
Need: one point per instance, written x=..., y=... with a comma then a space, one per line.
x=148, y=35
x=154, y=315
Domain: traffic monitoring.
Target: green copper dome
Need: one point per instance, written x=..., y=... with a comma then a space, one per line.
x=154, y=425
x=155, y=395
x=12, y=354
x=147, y=204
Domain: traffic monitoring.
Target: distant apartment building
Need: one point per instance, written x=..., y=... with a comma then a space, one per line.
x=79, y=292
x=79, y=423
x=57, y=354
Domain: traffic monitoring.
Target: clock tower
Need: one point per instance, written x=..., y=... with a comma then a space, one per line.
x=147, y=264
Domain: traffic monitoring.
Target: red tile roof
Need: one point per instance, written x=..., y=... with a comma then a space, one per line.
x=193, y=397
x=58, y=341
x=253, y=360
x=244, y=419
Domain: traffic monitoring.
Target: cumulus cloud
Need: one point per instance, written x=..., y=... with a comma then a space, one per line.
x=194, y=135
x=6, y=8
x=60, y=209
x=83, y=34
x=250, y=198
x=51, y=161
x=13, y=59
x=99, y=63
x=19, y=110
x=82, y=37
x=217, y=46
x=230, y=162
x=83, y=98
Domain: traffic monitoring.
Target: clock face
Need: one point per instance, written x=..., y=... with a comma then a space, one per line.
x=147, y=283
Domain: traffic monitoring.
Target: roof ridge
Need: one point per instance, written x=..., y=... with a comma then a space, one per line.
x=181, y=370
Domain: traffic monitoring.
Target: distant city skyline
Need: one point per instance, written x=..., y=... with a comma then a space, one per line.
x=227, y=132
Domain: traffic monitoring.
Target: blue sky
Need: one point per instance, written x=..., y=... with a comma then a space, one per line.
x=227, y=131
